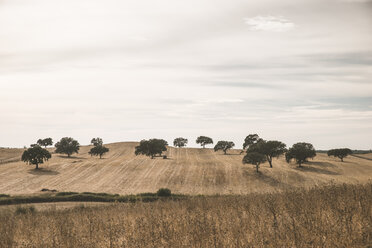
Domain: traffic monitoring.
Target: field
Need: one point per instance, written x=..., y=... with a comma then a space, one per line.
x=332, y=216
x=327, y=203
x=187, y=170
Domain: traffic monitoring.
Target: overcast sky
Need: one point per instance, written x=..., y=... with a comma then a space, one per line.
x=123, y=70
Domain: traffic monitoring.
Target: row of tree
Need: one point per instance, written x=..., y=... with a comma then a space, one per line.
x=257, y=150
x=36, y=155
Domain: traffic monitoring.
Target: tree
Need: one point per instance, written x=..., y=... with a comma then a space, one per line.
x=151, y=147
x=180, y=142
x=250, y=140
x=224, y=146
x=340, y=153
x=67, y=145
x=204, y=140
x=98, y=149
x=300, y=152
x=271, y=149
x=96, y=141
x=254, y=158
x=45, y=142
x=36, y=155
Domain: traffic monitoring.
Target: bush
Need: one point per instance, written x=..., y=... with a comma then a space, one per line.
x=66, y=193
x=164, y=192
x=4, y=195
x=25, y=210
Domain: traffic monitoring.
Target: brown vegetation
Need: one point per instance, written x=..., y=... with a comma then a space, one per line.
x=333, y=216
x=187, y=171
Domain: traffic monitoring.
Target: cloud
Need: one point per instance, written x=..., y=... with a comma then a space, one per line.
x=269, y=23
x=357, y=1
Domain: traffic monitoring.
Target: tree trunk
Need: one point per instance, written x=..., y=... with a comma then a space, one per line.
x=68, y=154
x=257, y=168
x=37, y=166
x=342, y=159
x=224, y=151
x=299, y=164
x=203, y=146
x=270, y=160
x=100, y=156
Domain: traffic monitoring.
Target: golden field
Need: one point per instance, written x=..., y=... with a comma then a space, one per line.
x=187, y=170
x=332, y=216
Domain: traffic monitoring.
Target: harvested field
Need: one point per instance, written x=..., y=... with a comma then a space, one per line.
x=187, y=171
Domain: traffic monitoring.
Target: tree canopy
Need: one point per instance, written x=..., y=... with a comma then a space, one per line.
x=67, y=145
x=98, y=149
x=180, y=142
x=250, y=140
x=204, y=140
x=271, y=149
x=96, y=141
x=36, y=155
x=340, y=153
x=254, y=158
x=224, y=146
x=151, y=147
x=300, y=152
x=45, y=142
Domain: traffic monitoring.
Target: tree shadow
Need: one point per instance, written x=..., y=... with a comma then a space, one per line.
x=273, y=182
x=42, y=171
x=322, y=164
x=229, y=154
x=307, y=168
x=71, y=157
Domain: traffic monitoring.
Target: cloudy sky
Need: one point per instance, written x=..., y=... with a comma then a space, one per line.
x=125, y=70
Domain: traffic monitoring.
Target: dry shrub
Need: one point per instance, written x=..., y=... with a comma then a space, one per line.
x=332, y=216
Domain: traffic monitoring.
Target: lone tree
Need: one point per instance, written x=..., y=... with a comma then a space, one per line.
x=271, y=149
x=300, y=152
x=36, y=155
x=204, y=140
x=96, y=141
x=180, y=142
x=224, y=146
x=254, y=158
x=250, y=140
x=45, y=142
x=98, y=149
x=67, y=145
x=151, y=147
x=340, y=153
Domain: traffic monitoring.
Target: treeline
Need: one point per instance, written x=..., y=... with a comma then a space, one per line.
x=36, y=155
x=257, y=150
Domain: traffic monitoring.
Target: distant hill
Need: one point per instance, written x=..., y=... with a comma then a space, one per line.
x=187, y=170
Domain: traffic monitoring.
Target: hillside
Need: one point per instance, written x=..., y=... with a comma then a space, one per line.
x=188, y=170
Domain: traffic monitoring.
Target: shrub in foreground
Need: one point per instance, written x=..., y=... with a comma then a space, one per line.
x=164, y=192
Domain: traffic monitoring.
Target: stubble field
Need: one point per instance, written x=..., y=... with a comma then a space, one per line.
x=187, y=170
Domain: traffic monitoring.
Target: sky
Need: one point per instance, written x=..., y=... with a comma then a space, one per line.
x=127, y=70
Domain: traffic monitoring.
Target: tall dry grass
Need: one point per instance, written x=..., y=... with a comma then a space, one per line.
x=333, y=216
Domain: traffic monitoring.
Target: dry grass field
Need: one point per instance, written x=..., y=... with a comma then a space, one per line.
x=187, y=170
x=332, y=216
x=8, y=155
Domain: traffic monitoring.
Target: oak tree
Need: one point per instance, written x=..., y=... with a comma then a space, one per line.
x=36, y=155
